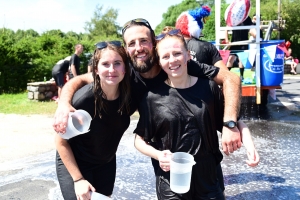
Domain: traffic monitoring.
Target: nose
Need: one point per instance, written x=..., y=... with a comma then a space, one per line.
x=138, y=46
x=111, y=67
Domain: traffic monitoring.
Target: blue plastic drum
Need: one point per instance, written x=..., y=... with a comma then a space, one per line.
x=271, y=72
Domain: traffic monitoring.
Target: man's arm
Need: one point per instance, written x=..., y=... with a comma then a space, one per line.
x=73, y=70
x=64, y=104
x=231, y=139
x=221, y=65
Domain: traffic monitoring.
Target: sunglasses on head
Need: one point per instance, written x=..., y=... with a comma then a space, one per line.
x=138, y=20
x=102, y=45
x=171, y=32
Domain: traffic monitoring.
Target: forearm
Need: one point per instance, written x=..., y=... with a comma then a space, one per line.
x=73, y=70
x=246, y=135
x=73, y=85
x=232, y=93
x=67, y=157
x=145, y=148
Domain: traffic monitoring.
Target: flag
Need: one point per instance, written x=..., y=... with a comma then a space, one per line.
x=270, y=52
x=225, y=55
x=243, y=56
x=283, y=48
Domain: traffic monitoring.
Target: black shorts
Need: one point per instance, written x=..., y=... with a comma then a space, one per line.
x=59, y=79
x=102, y=178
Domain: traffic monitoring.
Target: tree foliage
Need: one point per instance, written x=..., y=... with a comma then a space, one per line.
x=26, y=55
x=103, y=26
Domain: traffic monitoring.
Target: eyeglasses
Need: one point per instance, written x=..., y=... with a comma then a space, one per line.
x=138, y=20
x=102, y=45
x=171, y=32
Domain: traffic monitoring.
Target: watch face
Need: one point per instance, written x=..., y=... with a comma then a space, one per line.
x=231, y=124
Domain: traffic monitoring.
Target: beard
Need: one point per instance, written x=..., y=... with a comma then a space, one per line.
x=144, y=66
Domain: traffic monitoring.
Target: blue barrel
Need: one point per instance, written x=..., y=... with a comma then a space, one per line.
x=271, y=72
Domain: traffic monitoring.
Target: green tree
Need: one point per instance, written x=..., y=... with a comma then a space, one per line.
x=103, y=26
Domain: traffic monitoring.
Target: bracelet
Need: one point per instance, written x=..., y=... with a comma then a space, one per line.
x=79, y=179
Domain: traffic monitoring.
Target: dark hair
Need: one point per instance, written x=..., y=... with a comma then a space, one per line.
x=124, y=86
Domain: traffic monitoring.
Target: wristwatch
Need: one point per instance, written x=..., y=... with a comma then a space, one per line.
x=230, y=124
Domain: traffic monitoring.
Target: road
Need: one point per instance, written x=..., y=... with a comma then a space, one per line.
x=27, y=169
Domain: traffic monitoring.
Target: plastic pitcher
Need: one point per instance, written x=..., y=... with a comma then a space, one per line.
x=78, y=123
x=180, y=172
x=98, y=196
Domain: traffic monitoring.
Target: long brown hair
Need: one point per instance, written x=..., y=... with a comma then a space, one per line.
x=124, y=85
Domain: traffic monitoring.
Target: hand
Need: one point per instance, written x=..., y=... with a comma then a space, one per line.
x=253, y=158
x=61, y=117
x=82, y=190
x=231, y=140
x=164, y=159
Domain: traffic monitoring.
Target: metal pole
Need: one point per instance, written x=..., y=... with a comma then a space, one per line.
x=279, y=19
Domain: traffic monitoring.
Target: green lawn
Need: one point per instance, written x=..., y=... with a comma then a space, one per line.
x=19, y=104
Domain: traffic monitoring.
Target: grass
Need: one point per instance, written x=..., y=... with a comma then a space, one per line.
x=20, y=104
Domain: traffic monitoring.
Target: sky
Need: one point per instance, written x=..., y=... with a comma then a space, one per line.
x=71, y=15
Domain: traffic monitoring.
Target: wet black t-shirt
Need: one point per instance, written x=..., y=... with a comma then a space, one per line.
x=203, y=52
x=167, y=114
x=100, y=144
x=140, y=85
x=186, y=120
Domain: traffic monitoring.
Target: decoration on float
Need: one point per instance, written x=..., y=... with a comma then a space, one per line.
x=237, y=12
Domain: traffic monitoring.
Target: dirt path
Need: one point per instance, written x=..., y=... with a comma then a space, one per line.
x=25, y=135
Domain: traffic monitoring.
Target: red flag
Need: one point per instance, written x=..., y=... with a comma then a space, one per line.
x=224, y=54
x=283, y=48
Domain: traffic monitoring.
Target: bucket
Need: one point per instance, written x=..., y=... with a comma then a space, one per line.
x=271, y=72
x=181, y=171
x=78, y=123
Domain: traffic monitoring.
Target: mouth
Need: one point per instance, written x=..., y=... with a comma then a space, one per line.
x=174, y=68
x=141, y=57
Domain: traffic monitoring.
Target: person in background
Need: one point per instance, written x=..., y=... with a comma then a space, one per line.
x=191, y=24
x=238, y=35
x=289, y=60
x=75, y=61
x=182, y=114
x=59, y=72
x=87, y=162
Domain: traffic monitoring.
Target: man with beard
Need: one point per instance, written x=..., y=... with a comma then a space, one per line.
x=139, y=40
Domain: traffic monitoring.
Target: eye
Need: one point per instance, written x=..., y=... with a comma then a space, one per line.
x=165, y=57
x=117, y=63
x=144, y=42
x=131, y=44
x=177, y=54
x=105, y=64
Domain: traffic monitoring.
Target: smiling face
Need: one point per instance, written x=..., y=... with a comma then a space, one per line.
x=173, y=56
x=139, y=46
x=111, y=68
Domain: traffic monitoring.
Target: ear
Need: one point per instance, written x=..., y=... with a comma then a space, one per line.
x=188, y=56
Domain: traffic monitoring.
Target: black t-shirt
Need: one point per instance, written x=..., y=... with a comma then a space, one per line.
x=186, y=120
x=61, y=66
x=167, y=114
x=203, y=52
x=99, y=145
x=75, y=60
x=241, y=35
x=140, y=85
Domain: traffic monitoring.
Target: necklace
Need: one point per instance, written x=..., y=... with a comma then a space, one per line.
x=190, y=82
